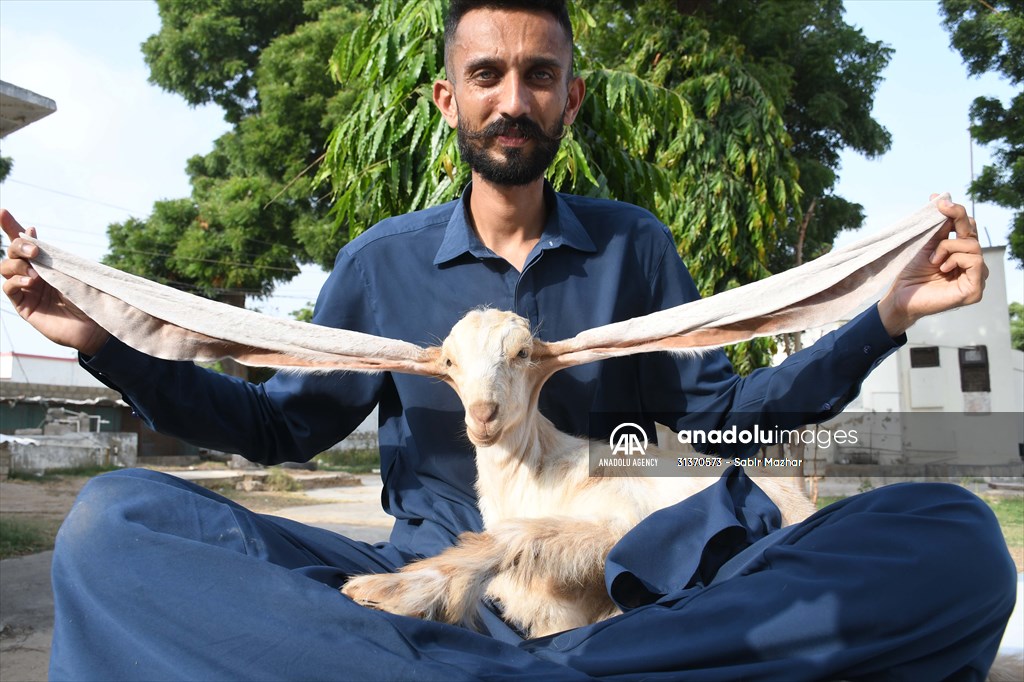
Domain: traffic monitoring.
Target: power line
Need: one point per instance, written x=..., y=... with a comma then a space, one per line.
x=75, y=196
x=103, y=203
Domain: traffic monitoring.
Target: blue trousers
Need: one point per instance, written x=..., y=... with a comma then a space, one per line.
x=155, y=578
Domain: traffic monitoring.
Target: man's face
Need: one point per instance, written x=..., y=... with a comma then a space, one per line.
x=509, y=93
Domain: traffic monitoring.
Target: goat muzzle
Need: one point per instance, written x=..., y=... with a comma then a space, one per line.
x=484, y=412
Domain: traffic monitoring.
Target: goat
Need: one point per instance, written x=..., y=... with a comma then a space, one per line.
x=548, y=523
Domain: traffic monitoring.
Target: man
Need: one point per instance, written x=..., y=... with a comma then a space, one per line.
x=154, y=578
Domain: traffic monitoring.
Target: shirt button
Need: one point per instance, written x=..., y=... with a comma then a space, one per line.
x=826, y=407
x=867, y=350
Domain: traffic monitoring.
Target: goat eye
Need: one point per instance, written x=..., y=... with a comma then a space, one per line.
x=523, y=354
x=448, y=362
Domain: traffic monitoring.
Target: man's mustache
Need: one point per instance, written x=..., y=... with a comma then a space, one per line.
x=505, y=125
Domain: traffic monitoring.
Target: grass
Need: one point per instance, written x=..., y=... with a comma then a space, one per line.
x=1010, y=512
x=57, y=474
x=354, y=461
x=20, y=536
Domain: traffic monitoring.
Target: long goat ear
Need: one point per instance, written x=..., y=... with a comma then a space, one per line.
x=175, y=325
x=816, y=293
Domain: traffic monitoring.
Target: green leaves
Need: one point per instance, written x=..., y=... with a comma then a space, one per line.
x=990, y=37
x=708, y=120
x=393, y=153
x=679, y=126
x=725, y=120
x=207, y=50
x=266, y=63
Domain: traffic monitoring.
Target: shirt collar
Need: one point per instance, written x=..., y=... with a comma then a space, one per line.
x=561, y=228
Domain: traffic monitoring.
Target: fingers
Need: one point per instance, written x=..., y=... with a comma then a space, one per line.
x=12, y=228
x=963, y=259
x=18, y=274
x=959, y=221
x=960, y=245
x=13, y=268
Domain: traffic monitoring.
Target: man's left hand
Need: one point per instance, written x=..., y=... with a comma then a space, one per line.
x=947, y=273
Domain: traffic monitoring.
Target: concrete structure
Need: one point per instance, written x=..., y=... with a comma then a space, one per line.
x=20, y=107
x=32, y=385
x=39, y=454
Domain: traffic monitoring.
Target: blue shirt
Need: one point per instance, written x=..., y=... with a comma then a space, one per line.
x=412, y=277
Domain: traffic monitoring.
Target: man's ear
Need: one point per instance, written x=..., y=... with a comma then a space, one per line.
x=444, y=98
x=577, y=89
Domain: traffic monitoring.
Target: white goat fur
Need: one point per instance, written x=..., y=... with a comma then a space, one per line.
x=549, y=523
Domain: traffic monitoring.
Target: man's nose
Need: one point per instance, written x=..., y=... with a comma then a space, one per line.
x=516, y=98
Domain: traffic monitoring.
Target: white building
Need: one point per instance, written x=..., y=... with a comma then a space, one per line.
x=44, y=370
x=954, y=394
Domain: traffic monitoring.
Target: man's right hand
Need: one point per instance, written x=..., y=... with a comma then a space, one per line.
x=40, y=304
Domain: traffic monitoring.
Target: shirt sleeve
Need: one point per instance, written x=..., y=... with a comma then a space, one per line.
x=290, y=417
x=810, y=386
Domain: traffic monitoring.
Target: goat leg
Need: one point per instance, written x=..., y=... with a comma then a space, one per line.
x=446, y=587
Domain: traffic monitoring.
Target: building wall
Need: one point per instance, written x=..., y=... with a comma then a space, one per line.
x=45, y=370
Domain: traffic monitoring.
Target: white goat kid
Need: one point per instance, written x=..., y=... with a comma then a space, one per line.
x=549, y=523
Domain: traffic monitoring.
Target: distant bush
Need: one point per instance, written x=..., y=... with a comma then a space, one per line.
x=354, y=461
x=279, y=480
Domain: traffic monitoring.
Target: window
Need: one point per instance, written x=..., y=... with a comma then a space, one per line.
x=924, y=356
x=974, y=377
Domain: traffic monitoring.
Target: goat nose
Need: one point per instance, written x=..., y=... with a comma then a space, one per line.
x=484, y=412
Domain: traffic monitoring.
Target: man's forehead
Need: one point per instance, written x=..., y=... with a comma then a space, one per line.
x=510, y=33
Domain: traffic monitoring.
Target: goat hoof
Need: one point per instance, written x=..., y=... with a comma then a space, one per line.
x=389, y=592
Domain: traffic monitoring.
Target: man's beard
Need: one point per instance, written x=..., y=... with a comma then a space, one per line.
x=519, y=166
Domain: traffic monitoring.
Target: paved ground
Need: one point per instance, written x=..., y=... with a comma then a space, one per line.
x=26, y=601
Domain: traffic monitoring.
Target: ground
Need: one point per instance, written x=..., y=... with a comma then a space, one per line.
x=31, y=511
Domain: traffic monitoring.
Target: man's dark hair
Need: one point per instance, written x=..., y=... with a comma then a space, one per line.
x=458, y=8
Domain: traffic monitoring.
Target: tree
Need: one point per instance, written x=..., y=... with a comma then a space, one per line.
x=691, y=135
x=208, y=50
x=823, y=75
x=686, y=115
x=266, y=64
x=990, y=37
x=725, y=119
x=1017, y=325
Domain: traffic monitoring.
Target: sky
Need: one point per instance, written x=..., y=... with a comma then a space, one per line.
x=117, y=143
